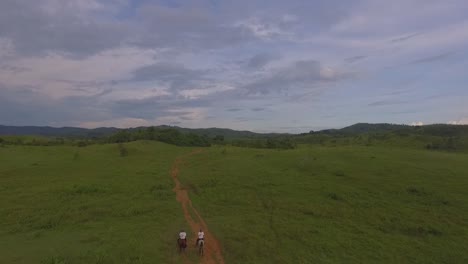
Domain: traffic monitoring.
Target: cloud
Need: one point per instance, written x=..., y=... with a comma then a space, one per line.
x=371, y=16
x=25, y=106
x=462, y=121
x=432, y=58
x=207, y=90
x=177, y=75
x=119, y=123
x=38, y=27
x=300, y=74
x=403, y=38
x=387, y=102
x=247, y=119
x=233, y=109
x=13, y=69
x=60, y=76
x=263, y=30
x=355, y=58
x=419, y=123
x=104, y=62
x=186, y=27
x=257, y=109
x=260, y=60
x=153, y=107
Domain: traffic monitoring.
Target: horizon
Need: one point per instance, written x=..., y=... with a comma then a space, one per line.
x=247, y=130
x=271, y=67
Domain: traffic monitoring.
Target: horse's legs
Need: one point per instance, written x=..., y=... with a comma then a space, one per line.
x=200, y=248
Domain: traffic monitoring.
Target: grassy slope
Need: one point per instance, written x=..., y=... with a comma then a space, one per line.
x=314, y=204
x=333, y=204
x=88, y=205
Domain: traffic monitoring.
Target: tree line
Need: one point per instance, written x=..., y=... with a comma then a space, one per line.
x=270, y=143
x=166, y=135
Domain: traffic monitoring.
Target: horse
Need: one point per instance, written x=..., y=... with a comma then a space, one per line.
x=201, y=245
x=182, y=244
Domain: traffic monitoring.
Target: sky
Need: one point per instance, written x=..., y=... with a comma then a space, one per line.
x=265, y=66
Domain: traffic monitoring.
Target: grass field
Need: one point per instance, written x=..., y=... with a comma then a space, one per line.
x=333, y=204
x=88, y=205
x=97, y=204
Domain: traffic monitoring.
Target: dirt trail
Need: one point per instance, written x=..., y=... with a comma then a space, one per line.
x=213, y=253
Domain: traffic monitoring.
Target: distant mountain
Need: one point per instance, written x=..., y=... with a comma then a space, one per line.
x=434, y=130
x=56, y=132
x=226, y=132
x=106, y=131
x=359, y=128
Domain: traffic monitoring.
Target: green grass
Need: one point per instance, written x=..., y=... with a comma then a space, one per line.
x=348, y=204
x=88, y=205
x=333, y=204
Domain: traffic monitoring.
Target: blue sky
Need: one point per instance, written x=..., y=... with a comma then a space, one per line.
x=282, y=66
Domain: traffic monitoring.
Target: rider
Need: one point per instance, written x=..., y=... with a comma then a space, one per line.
x=183, y=236
x=201, y=236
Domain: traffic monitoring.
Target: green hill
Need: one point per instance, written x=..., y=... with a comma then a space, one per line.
x=56, y=132
x=114, y=203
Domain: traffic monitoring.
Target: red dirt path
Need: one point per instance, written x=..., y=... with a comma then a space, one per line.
x=213, y=253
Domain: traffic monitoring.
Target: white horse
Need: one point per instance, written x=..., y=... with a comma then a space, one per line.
x=201, y=245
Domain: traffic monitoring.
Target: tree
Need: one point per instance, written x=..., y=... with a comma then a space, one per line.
x=151, y=133
x=451, y=143
x=123, y=150
x=120, y=137
x=218, y=138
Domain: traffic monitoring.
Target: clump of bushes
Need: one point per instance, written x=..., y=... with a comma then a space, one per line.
x=123, y=150
x=339, y=173
x=166, y=135
x=270, y=143
x=449, y=143
x=422, y=231
x=334, y=196
x=416, y=191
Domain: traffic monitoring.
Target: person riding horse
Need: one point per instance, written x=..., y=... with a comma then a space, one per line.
x=182, y=240
x=201, y=236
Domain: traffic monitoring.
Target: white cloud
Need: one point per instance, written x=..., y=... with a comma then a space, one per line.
x=288, y=18
x=52, y=7
x=463, y=121
x=134, y=64
x=417, y=123
x=379, y=16
x=127, y=91
x=187, y=116
x=264, y=30
x=200, y=92
x=60, y=76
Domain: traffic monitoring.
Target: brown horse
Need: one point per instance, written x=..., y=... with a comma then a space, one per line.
x=182, y=244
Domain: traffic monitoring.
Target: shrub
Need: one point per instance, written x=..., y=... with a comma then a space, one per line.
x=339, y=173
x=334, y=196
x=82, y=144
x=54, y=260
x=123, y=150
x=416, y=191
